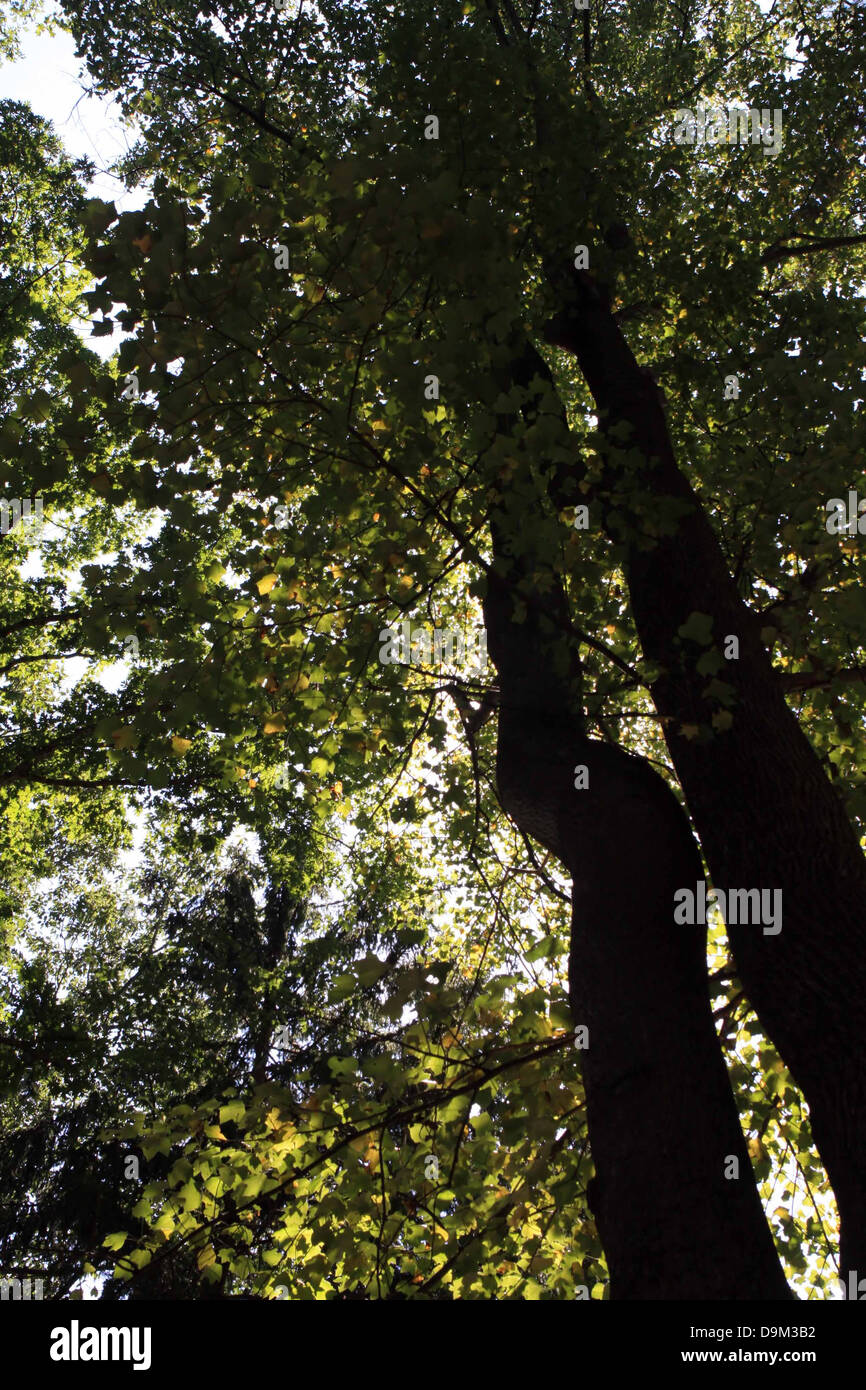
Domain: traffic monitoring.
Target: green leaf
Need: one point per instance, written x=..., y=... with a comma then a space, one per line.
x=235, y=1111
x=698, y=628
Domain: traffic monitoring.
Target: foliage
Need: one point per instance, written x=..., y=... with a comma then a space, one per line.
x=284, y=488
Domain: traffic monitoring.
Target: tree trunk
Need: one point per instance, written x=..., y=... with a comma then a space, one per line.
x=663, y=1125
x=766, y=813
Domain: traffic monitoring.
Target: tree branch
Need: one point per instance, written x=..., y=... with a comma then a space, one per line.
x=777, y=252
x=812, y=680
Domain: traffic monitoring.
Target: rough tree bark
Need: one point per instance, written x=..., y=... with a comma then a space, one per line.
x=662, y=1119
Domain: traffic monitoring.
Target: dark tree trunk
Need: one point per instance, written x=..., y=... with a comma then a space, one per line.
x=662, y=1121
x=766, y=813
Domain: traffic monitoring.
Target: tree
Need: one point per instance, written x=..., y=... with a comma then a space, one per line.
x=193, y=980
x=414, y=297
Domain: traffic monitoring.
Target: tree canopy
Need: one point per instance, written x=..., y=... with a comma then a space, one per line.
x=425, y=305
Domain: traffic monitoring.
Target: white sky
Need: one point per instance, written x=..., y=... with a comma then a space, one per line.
x=46, y=76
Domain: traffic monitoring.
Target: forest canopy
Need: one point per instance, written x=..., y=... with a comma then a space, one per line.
x=436, y=570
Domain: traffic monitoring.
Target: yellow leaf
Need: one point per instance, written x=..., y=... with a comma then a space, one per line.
x=275, y=724
x=368, y=1150
x=689, y=731
x=267, y=582
x=206, y=1257
x=181, y=746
